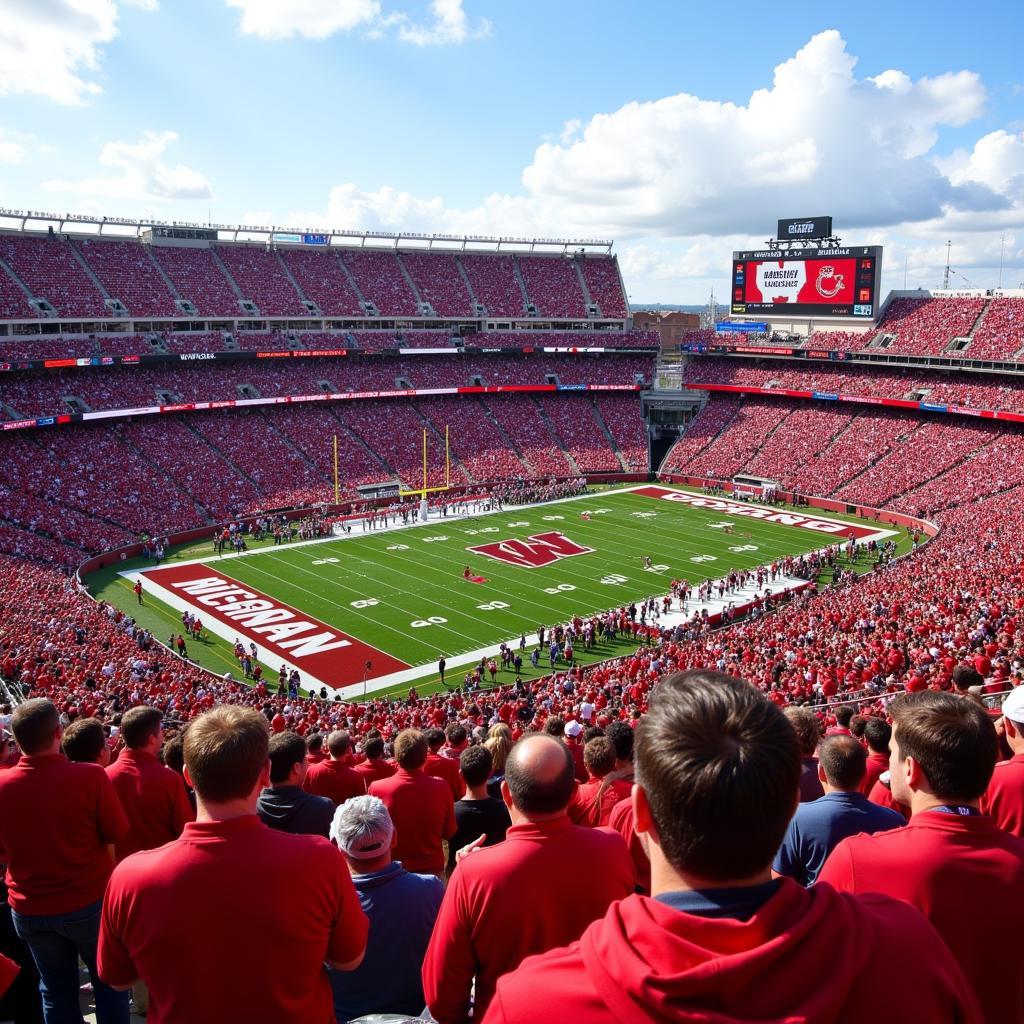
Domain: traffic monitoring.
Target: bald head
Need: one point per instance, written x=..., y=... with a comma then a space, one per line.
x=540, y=774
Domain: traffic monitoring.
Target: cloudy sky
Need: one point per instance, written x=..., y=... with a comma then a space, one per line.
x=679, y=129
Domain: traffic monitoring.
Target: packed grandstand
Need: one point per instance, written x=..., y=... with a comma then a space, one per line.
x=155, y=389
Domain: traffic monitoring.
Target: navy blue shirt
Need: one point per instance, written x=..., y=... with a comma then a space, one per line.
x=820, y=825
x=739, y=903
x=402, y=908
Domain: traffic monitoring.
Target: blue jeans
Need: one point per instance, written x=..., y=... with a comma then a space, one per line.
x=56, y=943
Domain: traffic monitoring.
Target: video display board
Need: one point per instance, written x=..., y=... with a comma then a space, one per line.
x=840, y=282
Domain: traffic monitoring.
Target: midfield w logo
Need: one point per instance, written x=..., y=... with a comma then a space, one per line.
x=532, y=553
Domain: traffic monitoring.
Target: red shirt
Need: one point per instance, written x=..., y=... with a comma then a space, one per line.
x=499, y=908
x=881, y=794
x=173, y=916
x=876, y=764
x=622, y=821
x=423, y=812
x=154, y=799
x=645, y=962
x=1005, y=797
x=445, y=768
x=371, y=771
x=593, y=807
x=334, y=780
x=967, y=877
x=56, y=820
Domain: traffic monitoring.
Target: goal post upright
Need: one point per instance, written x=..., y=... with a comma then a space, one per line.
x=426, y=489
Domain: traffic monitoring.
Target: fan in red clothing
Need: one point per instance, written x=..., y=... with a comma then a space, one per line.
x=717, y=774
x=469, y=577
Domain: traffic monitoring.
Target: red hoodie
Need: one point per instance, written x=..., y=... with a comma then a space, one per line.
x=806, y=957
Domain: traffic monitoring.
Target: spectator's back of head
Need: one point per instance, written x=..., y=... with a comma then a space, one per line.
x=174, y=754
x=338, y=744
x=540, y=775
x=719, y=765
x=85, y=741
x=555, y=726
x=878, y=732
x=226, y=750
x=966, y=676
x=139, y=725
x=844, y=761
x=622, y=737
x=362, y=828
x=411, y=749
x=456, y=735
x=599, y=756
x=952, y=739
x=807, y=728
x=34, y=725
x=844, y=715
x=315, y=742
x=287, y=749
x=373, y=748
x=475, y=763
x=435, y=739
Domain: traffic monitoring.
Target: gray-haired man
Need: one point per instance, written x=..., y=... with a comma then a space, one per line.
x=401, y=906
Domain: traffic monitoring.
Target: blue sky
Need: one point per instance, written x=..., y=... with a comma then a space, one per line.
x=680, y=130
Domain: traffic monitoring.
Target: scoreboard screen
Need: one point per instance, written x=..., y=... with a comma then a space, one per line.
x=807, y=282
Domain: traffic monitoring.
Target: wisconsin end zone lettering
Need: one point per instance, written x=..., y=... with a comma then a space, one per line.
x=767, y=515
x=292, y=636
x=534, y=552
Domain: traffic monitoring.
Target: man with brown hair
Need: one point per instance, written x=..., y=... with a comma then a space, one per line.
x=421, y=807
x=59, y=822
x=498, y=907
x=717, y=769
x=333, y=778
x=284, y=804
x=808, y=732
x=374, y=767
x=229, y=881
x=152, y=795
x=85, y=741
x=594, y=800
x=951, y=861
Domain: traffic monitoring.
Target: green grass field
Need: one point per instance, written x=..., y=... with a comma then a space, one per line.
x=403, y=593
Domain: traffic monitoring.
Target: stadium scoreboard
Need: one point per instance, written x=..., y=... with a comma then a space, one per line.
x=819, y=282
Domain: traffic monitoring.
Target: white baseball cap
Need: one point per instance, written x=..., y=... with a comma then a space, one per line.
x=1013, y=706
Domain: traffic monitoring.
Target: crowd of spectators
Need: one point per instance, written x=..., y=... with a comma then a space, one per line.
x=553, y=285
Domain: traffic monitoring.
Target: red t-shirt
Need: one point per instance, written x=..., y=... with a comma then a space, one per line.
x=593, y=807
x=154, y=799
x=499, y=908
x=371, y=771
x=1004, y=799
x=57, y=819
x=967, y=877
x=445, y=768
x=334, y=780
x=622, y=821
x=881, y=794
x=423, y=812
x=806, y=955
x=876, y=764
x=181, y=918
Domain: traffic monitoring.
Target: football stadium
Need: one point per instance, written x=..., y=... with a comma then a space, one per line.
x=436, y=614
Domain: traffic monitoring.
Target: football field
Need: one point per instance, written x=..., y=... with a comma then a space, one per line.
x=384, y=606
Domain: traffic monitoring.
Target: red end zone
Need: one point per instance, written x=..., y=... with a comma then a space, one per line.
x=300, y=641
x=768, y=515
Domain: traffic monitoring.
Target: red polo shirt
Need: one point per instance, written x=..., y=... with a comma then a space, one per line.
x=334, y=780
x=499, y=908
x=967, y=877
x=1005, y=797
x=445, y=768
x=876, y=764
x=371, y=771
x=154, y=799
x=180, y=917
x=56, y=820
x=423, y=811
x=807, y=955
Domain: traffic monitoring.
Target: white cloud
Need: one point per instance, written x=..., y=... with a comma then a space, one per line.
x=53, y=48
x=450, y=25
x=319, y=19
x=682, y=180
x=142, y=174
x=313, y=19
x=12, y=147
